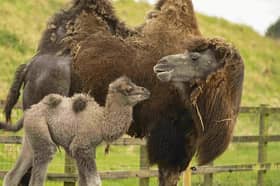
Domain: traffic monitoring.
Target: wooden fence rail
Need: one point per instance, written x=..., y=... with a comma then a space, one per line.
x=131, y=141
x=144, y=173
x=200, y=170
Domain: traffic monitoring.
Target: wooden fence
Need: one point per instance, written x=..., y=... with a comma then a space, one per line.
x=144, y=173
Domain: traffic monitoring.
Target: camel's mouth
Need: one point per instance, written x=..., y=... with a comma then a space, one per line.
x=164, y=72
x=159, y=68
x=167, y=72
x=164, y=76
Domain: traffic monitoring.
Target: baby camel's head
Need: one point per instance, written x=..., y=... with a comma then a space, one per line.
x=127, y=92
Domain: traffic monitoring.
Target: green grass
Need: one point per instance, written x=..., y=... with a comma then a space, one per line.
x=20, y=29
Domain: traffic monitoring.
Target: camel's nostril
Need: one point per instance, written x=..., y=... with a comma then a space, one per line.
x=163, y=65
x=163, y=61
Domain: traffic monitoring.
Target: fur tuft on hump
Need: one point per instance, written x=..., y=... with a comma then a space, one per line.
x=52, y=100
x=79, y=103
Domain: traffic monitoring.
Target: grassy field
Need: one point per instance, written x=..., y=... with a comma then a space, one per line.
x=20, y=28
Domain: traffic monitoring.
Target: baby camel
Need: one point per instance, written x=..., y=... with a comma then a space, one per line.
x=78, y=124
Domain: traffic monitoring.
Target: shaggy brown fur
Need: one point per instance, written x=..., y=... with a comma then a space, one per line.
x=217, y=98
x=61, y=24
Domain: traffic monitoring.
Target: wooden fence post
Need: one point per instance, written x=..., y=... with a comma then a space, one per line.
x=208, y=178
x=69, y=168
x=144, y=165
x=262, y=147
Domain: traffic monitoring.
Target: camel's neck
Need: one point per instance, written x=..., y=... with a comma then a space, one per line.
x=203, y=102
x=185, y=91
x=117, y=118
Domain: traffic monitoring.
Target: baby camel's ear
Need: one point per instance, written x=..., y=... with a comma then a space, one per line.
x=124, y=78
x=112, y=88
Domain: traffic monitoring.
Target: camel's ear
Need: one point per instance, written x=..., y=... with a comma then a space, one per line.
x=112, y=88
x=221, y=49
x=221, y=54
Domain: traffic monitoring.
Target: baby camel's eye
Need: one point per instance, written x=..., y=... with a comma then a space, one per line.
x=128, y=90
x=195, y=56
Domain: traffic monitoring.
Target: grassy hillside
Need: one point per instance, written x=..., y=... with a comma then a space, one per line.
x=23, y=21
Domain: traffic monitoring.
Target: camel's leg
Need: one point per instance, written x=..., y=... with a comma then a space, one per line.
x=23, y=163
x=168, y=177
x=40, y=164
x=88, y=175
x=43, y=148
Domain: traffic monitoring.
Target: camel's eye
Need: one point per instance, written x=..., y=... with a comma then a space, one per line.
x=194, y=56
x=128, y=89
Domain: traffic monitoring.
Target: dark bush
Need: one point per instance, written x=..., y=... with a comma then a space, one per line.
x=274, y=30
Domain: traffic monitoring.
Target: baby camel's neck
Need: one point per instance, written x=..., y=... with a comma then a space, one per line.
x=117, y=118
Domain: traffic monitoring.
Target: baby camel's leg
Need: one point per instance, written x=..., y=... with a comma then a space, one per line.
x=43, y=149
x=24, y=162
x=40, y=164
x=88, y=175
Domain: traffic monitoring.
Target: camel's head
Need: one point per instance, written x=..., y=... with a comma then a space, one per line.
x=127, y=91
x=187, y=67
